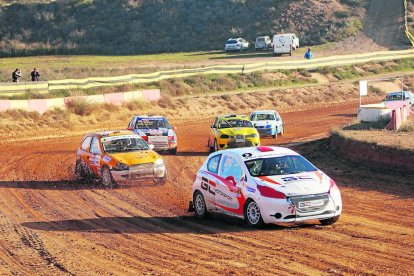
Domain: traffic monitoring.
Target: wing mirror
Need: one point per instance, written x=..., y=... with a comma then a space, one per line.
x=231, y=179
x=243, y=178
x=151, y=146
x=213, y=126
x=175, y=128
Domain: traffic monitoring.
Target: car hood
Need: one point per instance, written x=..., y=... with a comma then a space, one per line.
x=136, y=157
x=264, y=123
x=297, y=184
x=238, y=131
x=156, y=132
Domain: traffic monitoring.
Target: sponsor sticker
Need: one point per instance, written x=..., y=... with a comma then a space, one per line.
x=106, y=159
x=250, y=189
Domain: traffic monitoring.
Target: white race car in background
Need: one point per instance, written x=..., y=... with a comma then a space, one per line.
x=267, y=122
x=265, y=185
x=156, y=131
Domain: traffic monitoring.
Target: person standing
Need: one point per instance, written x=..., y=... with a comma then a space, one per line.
x=308, y=54
x=35, y=75
x=16, y=75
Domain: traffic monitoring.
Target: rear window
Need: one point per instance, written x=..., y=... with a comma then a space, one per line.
x=86, y=143
x=394, y=97
x=260, y=39
x=233, y=41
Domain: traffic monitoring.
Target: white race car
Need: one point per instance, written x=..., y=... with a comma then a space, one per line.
x=267, y=122
x=265, y=185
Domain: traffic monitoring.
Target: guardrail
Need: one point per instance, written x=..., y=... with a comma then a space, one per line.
x=92, y=82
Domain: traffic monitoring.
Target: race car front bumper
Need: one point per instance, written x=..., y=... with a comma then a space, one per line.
x=295, y=210
x=140, y=172
x=233, y=143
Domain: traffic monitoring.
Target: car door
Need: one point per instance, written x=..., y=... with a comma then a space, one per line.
x=83, y=155
x=228, y=189
x=209, y=180
x=95, y=155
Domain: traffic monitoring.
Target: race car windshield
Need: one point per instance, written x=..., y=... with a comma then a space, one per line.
x=124, y=145
x=281, y=165
x=394, y=97
x=152, y=124
x=235, y=123
x=262, y=117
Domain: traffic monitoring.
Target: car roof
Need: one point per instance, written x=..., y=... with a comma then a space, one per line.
x=250, y=153
x=233, y=116
x=149, y=117
x=398, y=92
x=113, y=133
x=263, y=112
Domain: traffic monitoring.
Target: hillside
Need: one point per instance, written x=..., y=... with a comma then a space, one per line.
x=142, y=26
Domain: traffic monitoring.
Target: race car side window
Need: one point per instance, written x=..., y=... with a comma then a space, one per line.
x=132, y=123
x=86, y=142
x=230, y=167
x=95, y=148
x=213, y=164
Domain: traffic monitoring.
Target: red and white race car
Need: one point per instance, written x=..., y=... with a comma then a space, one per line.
x=265, y=185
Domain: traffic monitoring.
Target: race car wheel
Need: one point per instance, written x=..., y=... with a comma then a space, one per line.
x=161, y=181
x=215, y=145
x=173, y=151
x=329, y=221
x=275, y=135
x=252, y=214
x=199, y=205
x=107, y=181
x=79, y=173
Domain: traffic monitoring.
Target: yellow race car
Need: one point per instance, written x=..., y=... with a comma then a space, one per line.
x=232, y=131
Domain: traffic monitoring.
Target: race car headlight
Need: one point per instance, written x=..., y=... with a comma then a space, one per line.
x=253, y=135
x=121, y=167
x=224, y=136
x=159, y=162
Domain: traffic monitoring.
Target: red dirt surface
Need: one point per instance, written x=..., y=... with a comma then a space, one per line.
x=50, y=224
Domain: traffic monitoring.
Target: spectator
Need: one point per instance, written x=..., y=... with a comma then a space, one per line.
x=35, y=75
x=308, y=54
x=16, y=75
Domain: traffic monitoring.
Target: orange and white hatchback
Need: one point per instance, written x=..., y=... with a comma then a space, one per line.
x=118, y=156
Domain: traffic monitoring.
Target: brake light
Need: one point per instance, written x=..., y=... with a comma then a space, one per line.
x=144, y=137
x=269, y=192
x=170, y=138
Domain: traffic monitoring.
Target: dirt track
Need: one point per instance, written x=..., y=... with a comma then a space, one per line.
x=51, y=225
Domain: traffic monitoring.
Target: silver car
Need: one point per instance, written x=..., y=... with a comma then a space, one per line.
x=263, y=43
x=236, y=44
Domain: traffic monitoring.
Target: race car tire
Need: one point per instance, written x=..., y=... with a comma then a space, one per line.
x=275, y=135
x=215, y=145
x=79, y=173
x=106, y=180
x=329, y=221
x=252, y=214
x=173, y=151
x=161, y=181
x=199, y=205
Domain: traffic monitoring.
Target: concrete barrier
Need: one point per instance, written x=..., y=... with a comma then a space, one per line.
x=42, y=105
x=374, y=112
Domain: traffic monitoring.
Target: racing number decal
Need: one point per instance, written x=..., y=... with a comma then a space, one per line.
x=206, y=185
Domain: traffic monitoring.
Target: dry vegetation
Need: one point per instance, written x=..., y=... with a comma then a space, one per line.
x=80, y=117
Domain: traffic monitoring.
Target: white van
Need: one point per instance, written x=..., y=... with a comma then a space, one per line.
x=285, y=44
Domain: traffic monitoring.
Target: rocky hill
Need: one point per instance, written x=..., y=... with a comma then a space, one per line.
x=148, y=26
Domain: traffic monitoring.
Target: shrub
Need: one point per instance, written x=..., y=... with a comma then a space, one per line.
x=80, y=106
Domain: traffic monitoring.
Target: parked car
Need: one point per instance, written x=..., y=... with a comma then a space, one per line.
x=236, y=44
x=265, y=185
x=267, y=122
x=400, y=96
x=263, y=43
x=285, y=44
x=118, y=156
x=156, y=131
x=232, y=131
